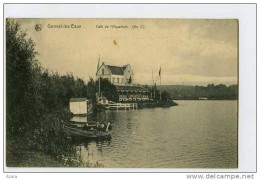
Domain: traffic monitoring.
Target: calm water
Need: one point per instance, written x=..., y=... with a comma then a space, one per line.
x=195, y=134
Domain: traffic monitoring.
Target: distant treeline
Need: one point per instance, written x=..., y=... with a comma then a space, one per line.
x=211, y=92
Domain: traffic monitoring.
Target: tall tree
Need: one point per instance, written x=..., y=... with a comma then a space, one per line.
x=21, y=78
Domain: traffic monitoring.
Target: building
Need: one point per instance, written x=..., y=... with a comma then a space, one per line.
x=79, y=106
x=123, y=79
x=133, y=93
x=117, y=75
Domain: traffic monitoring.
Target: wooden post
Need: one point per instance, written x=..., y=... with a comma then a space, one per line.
x=99, y=87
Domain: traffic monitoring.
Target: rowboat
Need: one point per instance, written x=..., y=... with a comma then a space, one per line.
x=81, y=132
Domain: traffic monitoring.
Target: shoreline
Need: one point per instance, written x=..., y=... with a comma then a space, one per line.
x=19, y=156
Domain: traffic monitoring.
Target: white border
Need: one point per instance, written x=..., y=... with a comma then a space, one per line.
x=245, y=13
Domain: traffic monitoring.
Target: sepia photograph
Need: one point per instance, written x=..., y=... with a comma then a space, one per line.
x=121, y=92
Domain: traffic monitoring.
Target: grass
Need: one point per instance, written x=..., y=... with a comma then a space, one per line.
x=18, y=155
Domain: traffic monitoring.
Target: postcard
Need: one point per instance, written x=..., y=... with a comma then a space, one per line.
x=122, y=93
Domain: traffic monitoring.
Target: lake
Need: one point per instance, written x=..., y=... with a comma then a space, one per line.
x=195, y=134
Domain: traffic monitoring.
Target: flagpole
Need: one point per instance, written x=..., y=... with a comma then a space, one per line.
x=160, y=87
x=99, y=86
x=99, y=76
x=153, y=88
x=160, y=84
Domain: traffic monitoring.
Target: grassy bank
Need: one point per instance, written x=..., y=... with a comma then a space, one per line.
x=19, y=155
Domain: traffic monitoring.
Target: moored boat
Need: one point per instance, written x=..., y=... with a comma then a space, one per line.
x=81, y=132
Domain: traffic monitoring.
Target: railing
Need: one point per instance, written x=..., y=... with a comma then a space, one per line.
x=124, y=106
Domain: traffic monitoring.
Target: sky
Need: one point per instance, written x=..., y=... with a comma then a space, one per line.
x=189, y=51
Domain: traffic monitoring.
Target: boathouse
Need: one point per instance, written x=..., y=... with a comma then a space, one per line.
x=80, y=106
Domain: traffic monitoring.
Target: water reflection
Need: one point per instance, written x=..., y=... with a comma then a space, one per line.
x=79, y=119
x=90, y=151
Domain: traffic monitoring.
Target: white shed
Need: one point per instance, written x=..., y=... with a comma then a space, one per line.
x=80, y=106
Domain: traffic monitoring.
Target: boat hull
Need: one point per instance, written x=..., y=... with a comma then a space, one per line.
x=72, y=131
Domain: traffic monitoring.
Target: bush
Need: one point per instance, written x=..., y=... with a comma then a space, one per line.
x=49, y=136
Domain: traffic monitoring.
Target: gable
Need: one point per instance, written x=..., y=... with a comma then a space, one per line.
x=105, y=69
x=128, y=70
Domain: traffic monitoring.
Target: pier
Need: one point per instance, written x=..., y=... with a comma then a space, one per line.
x=125, y=106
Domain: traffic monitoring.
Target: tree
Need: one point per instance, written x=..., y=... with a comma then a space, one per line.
x=108, y=90
x=92, y=89
x=22, y=70
x=165, y=96
x=36, y=99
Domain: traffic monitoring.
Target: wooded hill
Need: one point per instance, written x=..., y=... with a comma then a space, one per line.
x=211, y=92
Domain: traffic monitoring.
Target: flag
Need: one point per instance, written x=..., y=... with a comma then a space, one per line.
x=160, y=72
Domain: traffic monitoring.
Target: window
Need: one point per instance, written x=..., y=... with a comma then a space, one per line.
x=113, y=79
x=103, y=71
x=117, y=80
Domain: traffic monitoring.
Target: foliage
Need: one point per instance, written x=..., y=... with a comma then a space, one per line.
x=108, y=90
x=92, y=90
x=22, y=105
x=165, y=96
x=37, y=100
x=49, y=136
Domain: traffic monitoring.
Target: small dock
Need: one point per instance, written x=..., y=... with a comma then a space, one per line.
x=123, y=106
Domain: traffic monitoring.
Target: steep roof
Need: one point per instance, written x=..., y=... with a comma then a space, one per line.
x=116, y=69
x=78, y=99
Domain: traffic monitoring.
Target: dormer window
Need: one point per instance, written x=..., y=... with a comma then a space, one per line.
x=103, y=71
